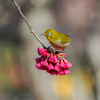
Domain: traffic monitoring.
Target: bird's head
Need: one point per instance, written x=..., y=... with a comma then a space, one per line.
x=50, y=33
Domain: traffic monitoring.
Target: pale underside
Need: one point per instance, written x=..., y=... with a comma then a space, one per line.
x=59, y=45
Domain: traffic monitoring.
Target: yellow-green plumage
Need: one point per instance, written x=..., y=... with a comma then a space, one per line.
x=58, y=40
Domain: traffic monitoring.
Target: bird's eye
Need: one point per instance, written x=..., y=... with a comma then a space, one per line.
x=49, y=33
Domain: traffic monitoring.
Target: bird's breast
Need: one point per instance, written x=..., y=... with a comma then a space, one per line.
x=58, y=45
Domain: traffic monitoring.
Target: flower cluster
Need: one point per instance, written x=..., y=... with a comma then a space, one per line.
x=53, y=63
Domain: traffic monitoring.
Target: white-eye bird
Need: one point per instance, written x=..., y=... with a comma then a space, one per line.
x=58, y=40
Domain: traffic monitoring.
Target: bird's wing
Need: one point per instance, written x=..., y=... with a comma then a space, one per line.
x=62, y=42
x=65, y=38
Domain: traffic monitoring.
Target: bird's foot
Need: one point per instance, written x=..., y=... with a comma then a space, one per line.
x=51, y=49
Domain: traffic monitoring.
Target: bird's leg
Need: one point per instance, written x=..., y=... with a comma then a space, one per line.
x=44, y=46
x=50, y=49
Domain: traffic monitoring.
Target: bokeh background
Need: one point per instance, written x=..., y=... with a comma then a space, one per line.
x=20, y=79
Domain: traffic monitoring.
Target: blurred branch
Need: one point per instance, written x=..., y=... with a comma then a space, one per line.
x=30, y=27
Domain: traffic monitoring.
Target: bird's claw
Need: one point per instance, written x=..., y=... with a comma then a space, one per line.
x=50, y=49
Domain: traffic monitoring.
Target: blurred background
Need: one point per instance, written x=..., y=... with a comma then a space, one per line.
x=20, y=79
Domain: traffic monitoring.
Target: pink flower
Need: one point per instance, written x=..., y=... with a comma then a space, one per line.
x=42, y=51
x=67, y=63
x=37, y=60
x=67, y=72
x=61, y=73
x=50, y=67
x=45, y=63
x=38, y=65
x=53, y=63
x=53, y=58
x=61, y=64
x=57, y=68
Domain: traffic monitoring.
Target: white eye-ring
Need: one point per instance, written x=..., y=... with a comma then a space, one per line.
x=49, y=33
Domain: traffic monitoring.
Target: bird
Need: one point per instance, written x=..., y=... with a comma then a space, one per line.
x=58, y=40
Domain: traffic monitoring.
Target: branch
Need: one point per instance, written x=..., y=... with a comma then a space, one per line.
x=30, y=27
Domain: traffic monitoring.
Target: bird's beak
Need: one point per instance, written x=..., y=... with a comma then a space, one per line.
x=42, y=34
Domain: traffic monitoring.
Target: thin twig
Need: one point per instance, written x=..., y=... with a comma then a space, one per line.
x=30, y=27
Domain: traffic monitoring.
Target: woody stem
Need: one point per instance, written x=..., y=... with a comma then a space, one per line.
x=30, y=27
